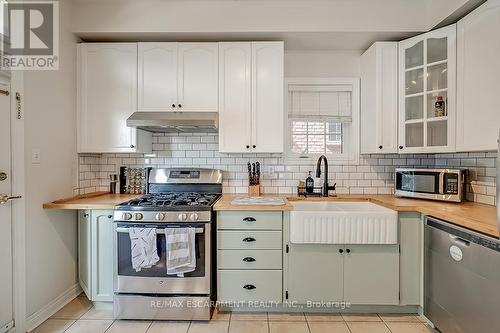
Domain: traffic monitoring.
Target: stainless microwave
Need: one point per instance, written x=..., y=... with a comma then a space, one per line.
x=434, y=184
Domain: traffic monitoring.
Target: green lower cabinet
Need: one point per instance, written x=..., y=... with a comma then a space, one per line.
x=371, y=274
x=358, y=274
x=315, y=273
x=95, y=254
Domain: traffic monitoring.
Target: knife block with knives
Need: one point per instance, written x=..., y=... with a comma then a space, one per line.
x=254, y=179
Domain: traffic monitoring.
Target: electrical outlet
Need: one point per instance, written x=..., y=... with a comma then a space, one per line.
x=36, y=156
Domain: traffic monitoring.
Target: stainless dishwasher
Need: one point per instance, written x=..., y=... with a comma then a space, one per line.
x=461, y=279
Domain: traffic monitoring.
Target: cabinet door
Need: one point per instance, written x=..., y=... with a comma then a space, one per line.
x=102, y=255
x=379, y=102
x=371, y=274
x=315, y=273
x=198, y=75
x=235, y=97
x=267, y=97
x=84, y=252
x=157, y=80
x=478, y=102
x=107, y=97
x=428, y=74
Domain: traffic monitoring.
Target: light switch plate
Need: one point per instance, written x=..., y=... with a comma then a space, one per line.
x=35, y=156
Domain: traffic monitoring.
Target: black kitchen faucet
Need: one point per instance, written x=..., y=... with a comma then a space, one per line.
x=326, y=187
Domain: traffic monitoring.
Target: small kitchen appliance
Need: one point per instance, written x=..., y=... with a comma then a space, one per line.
x=177, y=198
x=434, y=184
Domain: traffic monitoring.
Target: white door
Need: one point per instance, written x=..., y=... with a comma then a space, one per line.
x=267, y=97
x=6, y=286
x=108, y=96
x=157, y=80
x=427, y=92
x=198, y=77
x=235, y=97
x=478, y=100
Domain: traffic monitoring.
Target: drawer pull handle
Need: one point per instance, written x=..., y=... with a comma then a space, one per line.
x=249, y=287
x=248, y=259
x=249, y=239
x=249, y=219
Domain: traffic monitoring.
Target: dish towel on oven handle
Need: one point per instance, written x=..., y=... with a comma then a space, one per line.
x=143, y=247
x=181, y=256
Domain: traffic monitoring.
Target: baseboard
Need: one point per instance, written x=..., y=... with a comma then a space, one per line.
x=58, y=303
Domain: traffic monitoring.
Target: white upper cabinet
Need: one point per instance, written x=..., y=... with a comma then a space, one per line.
x=267, y=97
x=478, y=64
x=379, y=99
x=107, y=96
x=251, y=97
x=427, y=87
x=178, y=77
x=157, y=83
x=235, y=61
x=198, y=77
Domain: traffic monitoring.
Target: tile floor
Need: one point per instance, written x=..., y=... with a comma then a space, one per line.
x=79, y=316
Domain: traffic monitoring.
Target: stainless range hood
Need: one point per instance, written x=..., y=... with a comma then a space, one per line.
x=160, y=122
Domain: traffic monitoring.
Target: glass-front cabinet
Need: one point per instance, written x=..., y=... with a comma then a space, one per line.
x=427, y=70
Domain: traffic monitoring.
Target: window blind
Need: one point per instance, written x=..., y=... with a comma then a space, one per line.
x=321, y=102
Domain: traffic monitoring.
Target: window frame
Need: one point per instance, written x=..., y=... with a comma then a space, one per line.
x=350, y=133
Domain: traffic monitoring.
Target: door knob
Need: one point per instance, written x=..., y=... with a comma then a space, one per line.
x=4, y=198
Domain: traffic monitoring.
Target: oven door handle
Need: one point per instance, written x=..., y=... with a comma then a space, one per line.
x=158, y=231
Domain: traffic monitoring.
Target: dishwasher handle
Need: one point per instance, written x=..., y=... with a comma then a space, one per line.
x=459, y=241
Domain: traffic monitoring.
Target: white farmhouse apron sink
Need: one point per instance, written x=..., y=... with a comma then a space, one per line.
x=327, y=222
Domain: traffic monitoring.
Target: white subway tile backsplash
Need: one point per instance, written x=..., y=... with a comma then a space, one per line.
x=373, y=175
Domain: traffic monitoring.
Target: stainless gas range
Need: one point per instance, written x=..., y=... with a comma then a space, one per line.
x=177, y=198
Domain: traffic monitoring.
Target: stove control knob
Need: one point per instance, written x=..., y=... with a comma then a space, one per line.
x=160, y=216
x=138, y=216
x=182, y=216
x=126, y=216
x=194, y=217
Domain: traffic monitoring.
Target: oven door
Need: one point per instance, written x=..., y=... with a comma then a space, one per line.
x=155, y=280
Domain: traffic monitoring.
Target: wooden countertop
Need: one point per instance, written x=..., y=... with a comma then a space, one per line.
x=474, y=216
x=477, y=217
x=224, y=203
x=97, y=200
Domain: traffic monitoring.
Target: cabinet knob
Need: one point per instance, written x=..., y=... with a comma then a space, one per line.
x=110, y=216
x=249, y=219
x=173, y=105
x=348, y=251
x=248, y=259
x=380, y=147
x=341, y=251
x=249, y=239
x=249, y=287
x=248, y=146
x=254, y=146
x=180, y=105
x=132, y=146
x=400, y=147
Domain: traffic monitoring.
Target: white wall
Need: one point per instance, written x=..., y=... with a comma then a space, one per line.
x=248, y=15
x=322, y=63
x=51, y=236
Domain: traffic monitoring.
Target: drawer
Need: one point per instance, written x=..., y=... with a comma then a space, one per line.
x=246, y=286
x=250, y=220
x=249, y=239
x=249, y=259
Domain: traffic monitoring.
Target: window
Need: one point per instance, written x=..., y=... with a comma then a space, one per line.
x=322, y=118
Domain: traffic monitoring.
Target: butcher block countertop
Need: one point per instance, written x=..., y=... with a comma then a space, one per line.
x=97, y=200
x=478, y=217
x=471, y=215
